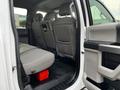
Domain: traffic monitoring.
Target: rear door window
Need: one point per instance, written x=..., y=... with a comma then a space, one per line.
x=20, y=17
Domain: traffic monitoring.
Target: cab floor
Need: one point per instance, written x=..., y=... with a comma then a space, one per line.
x=59, y=72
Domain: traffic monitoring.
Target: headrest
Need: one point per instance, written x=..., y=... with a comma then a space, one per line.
x=64, y=10
x=50, y=16
x=38, y=17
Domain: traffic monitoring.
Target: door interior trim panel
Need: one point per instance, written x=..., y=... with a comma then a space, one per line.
x=111, y=74
x=104, y=71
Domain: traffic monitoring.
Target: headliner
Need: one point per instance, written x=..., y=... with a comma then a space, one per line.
x=26, y=3
x=43, y=5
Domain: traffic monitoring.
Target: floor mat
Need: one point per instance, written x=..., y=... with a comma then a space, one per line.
x=59, y=72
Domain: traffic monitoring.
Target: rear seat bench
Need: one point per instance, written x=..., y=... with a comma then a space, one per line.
x=34, y=59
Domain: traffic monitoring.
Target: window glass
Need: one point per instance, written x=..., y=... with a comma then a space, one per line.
x=114, y=7
x=99, y=14
x=20, y=17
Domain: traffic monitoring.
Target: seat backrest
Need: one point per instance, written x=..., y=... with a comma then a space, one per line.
x=37, y=31
x=48, y=30
x=64, y=30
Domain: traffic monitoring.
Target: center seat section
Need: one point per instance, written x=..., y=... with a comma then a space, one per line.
x=47, y=30
x=34, y=59
x=38, y=32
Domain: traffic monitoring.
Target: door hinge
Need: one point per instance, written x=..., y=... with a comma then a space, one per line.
x=13, y=68
x=83, y=52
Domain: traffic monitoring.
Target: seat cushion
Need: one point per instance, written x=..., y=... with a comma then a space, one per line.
x=34, y=59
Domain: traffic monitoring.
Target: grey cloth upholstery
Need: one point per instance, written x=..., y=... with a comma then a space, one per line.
x=64, y=30
x=37, y=31
x=64, y=10
x=37, y=17
x=48, y=34
x=48, y=30
x=50, y=16
x=34, y=59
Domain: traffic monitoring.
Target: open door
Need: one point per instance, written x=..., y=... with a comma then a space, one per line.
x=102, y=49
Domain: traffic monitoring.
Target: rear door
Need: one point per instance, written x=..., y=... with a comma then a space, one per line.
x=102, y=49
